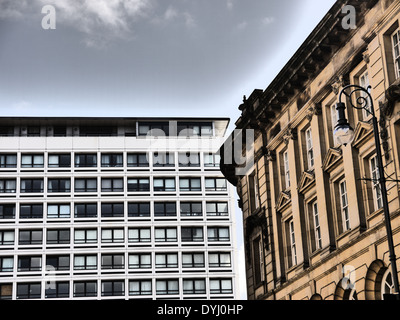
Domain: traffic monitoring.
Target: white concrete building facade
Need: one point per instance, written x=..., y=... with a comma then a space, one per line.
x=120, y=208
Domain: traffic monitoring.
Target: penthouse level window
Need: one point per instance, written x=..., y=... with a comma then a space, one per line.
x=195, y=129
x=154, y=129
x=33, y=131
x=112, y=160
x=59, y=160
x=59, y=131
x=98, y=131
x=32, y=161
x=86, y=160
x=6, y=131
x=8, y=160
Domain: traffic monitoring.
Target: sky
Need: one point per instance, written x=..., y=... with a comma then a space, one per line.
x=145, y=58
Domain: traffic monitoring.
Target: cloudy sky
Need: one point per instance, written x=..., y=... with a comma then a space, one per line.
x=146, y=57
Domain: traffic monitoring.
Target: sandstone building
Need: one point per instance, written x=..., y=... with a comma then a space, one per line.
x=312, y=210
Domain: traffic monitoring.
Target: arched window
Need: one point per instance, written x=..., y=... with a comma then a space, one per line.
x=387, y=283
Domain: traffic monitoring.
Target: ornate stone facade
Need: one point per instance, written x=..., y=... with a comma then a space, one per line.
x=312, y=211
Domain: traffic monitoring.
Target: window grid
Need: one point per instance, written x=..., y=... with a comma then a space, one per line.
x=60, y=210
x=292, y=240
x=396, y=51
x=317, y=226
x=375, y=183
x=286, y=169
x=310, y=150
x=344, y=205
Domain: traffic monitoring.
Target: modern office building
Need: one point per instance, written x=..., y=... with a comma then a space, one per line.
x=120, y=208
x=313, y=208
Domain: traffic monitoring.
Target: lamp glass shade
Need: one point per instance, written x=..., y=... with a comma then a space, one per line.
x=344, y=134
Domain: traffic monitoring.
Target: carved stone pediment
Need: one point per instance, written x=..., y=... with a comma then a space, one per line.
x=283, y=201
x=333, y=157
x=307, y=180
x=363, y=132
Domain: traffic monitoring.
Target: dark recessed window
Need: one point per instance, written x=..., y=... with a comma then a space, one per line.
x=138, y=160
x=86, y=160
x=139, y=209
x=8, y=160
x=98, y=131
x=59, y=160
x=112, y=160
x=165, y=209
